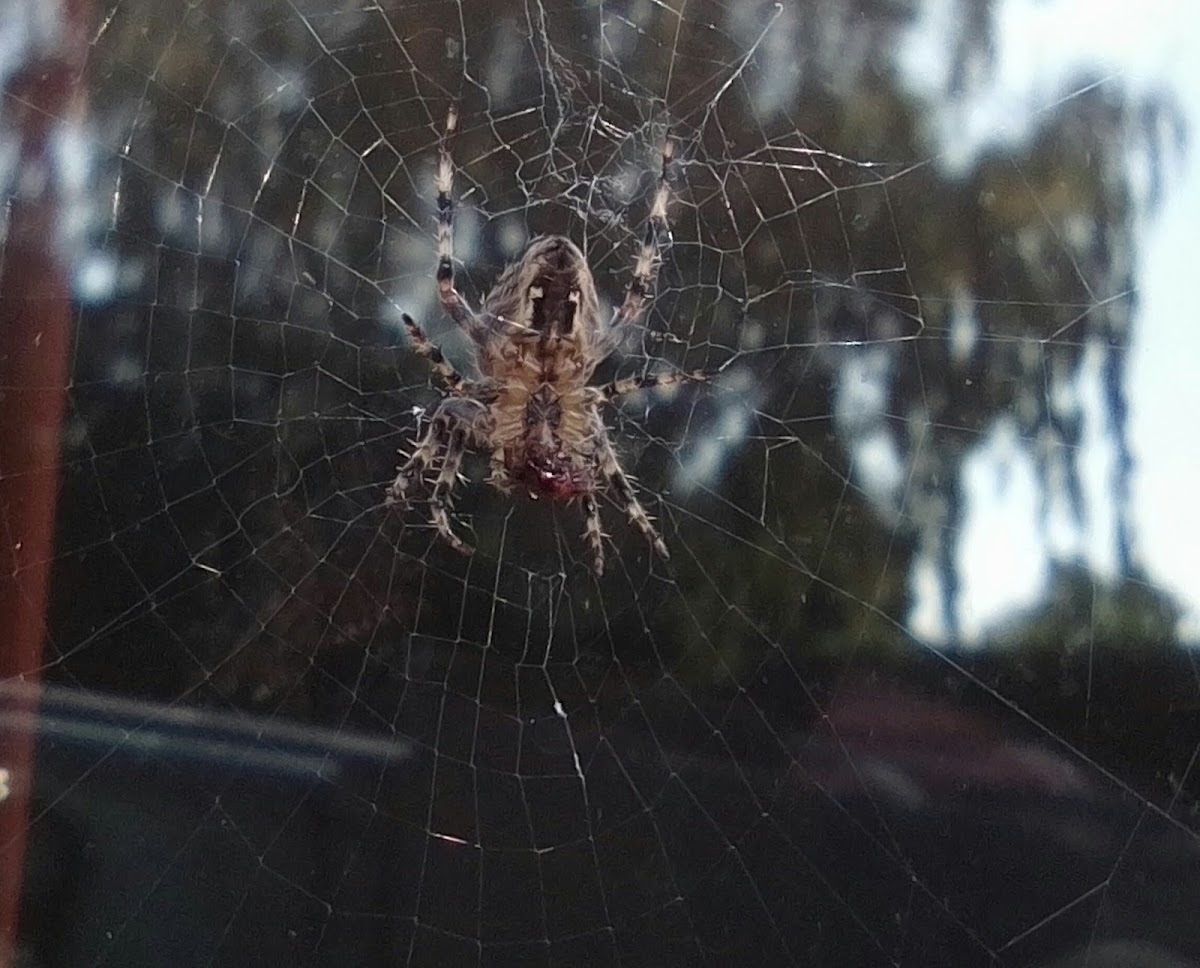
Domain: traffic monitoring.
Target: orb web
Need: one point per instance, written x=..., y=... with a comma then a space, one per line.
x=366, y=747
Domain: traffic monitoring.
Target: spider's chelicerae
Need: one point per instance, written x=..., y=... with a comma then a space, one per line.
x=538, y=339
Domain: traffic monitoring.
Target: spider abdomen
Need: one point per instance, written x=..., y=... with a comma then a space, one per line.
x=548, y=293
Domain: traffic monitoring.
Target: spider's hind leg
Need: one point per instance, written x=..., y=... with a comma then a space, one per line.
x=452, y=301
x=450, y=377
x=650, y=255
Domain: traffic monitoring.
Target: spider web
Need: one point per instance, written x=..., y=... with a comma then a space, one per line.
x=283, y=723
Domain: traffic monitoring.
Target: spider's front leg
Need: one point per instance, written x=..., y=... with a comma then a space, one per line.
x=456, y=422
x=442, y=487
x=593, y=533
x=619, y=481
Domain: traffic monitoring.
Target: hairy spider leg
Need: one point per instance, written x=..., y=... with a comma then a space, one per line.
x=411, y=470
x=452, y=300
x=445, y=436
x=593, y=533
x=658, y=234
x=498, y=477
x=450, y=377
x=619, y=481
x=618, y=388
x=446, y=479
x=455, y=421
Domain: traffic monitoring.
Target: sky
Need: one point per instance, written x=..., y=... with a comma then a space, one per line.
x=1045, y=52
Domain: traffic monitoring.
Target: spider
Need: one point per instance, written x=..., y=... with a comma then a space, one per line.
x=538, y=338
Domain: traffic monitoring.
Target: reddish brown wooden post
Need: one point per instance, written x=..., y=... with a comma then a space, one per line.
x=35, y=312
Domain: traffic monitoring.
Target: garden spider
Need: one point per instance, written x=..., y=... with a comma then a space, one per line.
x=537, y=339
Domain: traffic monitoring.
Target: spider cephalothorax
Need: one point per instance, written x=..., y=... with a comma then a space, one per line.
x=538, y=339
x=542, y=461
